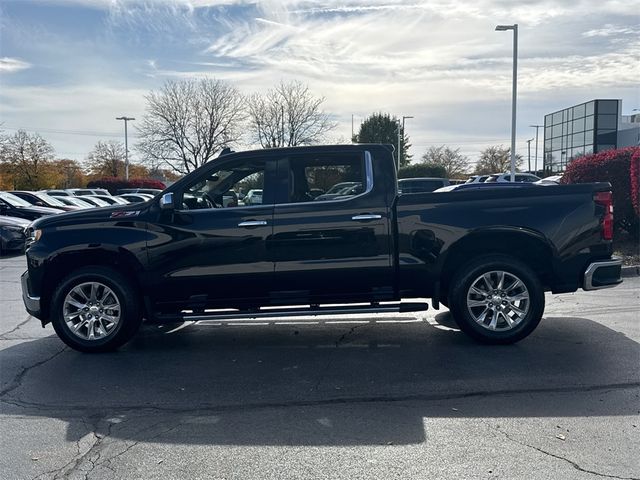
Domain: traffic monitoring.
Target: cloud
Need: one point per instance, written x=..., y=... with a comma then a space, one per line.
x=439, y=60
x=11, y=65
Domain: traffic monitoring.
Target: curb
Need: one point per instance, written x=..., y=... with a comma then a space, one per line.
x=631, y=271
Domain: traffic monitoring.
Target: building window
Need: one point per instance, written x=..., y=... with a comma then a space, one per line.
x=590, y=108
x=579, y=111
x=588, y=123
x=578, y=125
x=588, y=136
x=608, y=106
x=607, y=121
x=605, y=137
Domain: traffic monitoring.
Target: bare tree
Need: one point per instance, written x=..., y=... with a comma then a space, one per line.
x=188, y=122
x=495, y=159
x=28, y=157
x=107, y=159
x=288, y=115
x=454, y=163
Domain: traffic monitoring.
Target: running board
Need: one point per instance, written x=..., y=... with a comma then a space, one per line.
x=306, y=311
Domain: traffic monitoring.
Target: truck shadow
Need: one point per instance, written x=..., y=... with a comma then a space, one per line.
x=323, y=384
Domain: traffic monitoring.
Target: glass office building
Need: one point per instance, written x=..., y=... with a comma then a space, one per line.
x=590, y=127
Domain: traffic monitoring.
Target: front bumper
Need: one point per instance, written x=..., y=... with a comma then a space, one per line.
x=604, y=274
x=32, y=304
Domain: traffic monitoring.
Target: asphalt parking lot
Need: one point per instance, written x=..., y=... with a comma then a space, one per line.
x=402, y=396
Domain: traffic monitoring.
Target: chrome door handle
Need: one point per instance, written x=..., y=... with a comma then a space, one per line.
x=253, y=223
x=368, y=216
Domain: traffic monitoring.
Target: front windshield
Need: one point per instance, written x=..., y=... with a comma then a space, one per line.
x=13, y=200
x=77, y=202
x=98, y=201
x=49, y=199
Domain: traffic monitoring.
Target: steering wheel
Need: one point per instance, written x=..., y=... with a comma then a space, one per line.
x=210, y=202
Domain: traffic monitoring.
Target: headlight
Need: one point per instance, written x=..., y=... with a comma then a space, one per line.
x=33, y=235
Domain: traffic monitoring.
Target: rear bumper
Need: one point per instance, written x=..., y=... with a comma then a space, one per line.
x=32, y=304
x=603, y=274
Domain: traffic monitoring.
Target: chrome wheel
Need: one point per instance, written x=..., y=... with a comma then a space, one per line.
x=91, y=311
x=498, y=300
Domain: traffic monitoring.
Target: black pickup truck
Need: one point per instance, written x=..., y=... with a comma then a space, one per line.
x=197, y=252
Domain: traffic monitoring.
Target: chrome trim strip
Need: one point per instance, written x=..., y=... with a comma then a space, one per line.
x=366, y=217
x=31, y=303
x=306, y=312
x=591, y=269
x=252, y=223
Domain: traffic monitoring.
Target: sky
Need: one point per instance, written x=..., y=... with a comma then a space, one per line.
x=69, y=67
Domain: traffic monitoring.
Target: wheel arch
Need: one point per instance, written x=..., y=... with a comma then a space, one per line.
x=528, y=246
x=66, y=262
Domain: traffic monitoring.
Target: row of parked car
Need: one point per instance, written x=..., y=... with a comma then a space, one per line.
x=19, y=207
x=424, y=185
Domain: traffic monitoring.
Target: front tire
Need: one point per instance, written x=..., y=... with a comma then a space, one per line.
x=497, y=299
x=95, y=309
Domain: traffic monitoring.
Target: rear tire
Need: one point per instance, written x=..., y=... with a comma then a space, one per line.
x=496, y=299
x=95, y=309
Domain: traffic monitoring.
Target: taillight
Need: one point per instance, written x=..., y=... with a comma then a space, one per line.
x=606, y=200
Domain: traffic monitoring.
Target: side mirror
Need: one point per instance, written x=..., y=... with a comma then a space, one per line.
x=166, y=201
x=3, y=207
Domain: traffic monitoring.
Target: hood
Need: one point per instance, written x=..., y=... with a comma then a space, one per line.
x=91, y=215
x=13, y=221
x=42, y=210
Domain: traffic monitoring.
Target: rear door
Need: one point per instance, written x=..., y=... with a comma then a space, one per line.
x=335, y=249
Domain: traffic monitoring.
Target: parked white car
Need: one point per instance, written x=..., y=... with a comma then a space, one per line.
x=552, y=180
x=477, y=179
x=520, y=177
x=253, y=197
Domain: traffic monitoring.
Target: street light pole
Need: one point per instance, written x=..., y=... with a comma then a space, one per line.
x=126, y=145
x=399, y=146
x=536, y=155
x=514, y=93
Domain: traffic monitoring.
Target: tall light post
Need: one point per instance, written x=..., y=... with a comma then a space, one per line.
x=514, y=94
x=399, y=146
x=126, y=145
x=529, y=152
x=536, y=155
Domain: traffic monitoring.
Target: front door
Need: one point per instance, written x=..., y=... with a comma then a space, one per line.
x=211, y=250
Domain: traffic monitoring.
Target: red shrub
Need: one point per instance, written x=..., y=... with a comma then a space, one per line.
x=634, y=178
x=613, y=166
x=113, y=184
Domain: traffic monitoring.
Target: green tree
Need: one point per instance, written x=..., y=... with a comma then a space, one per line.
x=454, y=163
x=422, y=170
x=382, y=128
x=495, y=159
